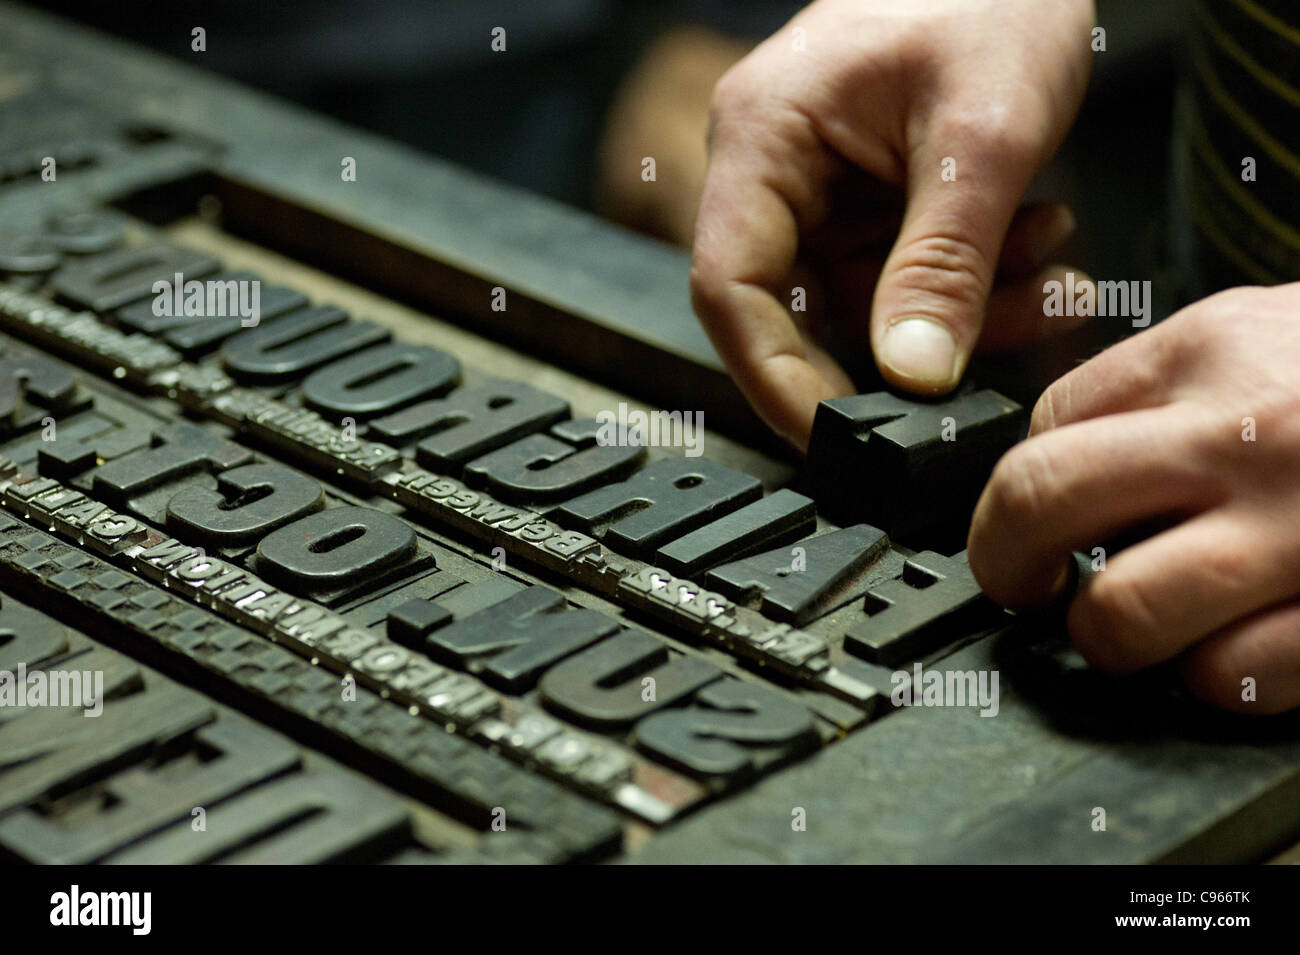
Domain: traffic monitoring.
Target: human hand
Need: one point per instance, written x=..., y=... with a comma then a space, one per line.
x=662, y=111
x=841, y=136
x=1195, y=423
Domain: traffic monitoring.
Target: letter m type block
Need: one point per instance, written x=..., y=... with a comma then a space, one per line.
x=914, y=469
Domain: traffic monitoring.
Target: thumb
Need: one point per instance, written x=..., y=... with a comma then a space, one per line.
x=934, y=287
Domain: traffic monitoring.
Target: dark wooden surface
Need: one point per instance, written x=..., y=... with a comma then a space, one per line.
x=579, y=290
x=924, y=785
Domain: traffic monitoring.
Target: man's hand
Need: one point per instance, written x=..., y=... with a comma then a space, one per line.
x=1194, y=424
x=662, y=110
x=916, y=123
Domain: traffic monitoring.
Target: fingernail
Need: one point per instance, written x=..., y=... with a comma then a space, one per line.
x=921, y=351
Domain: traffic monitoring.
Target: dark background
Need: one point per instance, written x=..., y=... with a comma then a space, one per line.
x=422, y=72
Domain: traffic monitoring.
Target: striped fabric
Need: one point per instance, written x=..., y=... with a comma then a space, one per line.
x=1240, y=110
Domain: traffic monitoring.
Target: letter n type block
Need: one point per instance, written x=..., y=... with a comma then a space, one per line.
x=887, y=461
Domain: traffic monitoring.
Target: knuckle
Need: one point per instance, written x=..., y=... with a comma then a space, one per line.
x=1022, y=485
x=1205, y=324
x=1212, y=675
x=1278, y=417
x=1112, y=620
x=944, y=266
x=733, y=92
x=708, y=293
x=998, y=132
x=1150, y=376
x=1201, y=320
x=1232, y=569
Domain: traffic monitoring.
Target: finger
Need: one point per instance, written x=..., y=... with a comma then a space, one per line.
x=1128, y=376
x=1250, y=666
x=1159, y=597
x=930, y=303
x=1018, y=305
x=762, y=187
x=1069, y=489
x=1017, y=300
